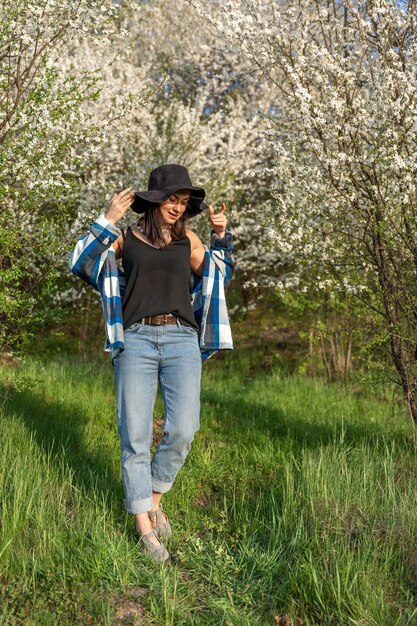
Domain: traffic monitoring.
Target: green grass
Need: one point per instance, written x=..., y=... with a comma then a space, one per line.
x=297, y=505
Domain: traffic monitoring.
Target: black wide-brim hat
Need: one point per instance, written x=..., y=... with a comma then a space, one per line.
x=164, y=181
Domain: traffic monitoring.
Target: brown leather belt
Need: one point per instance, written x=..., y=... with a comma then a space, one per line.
x=159, y=320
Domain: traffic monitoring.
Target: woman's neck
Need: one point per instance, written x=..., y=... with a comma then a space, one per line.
x=165, y=231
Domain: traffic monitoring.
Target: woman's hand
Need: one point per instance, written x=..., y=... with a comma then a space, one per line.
x=219, y=221
x=118, y=205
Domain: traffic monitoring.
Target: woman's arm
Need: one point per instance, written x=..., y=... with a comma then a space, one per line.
x=218, y=224
x=118, y=205
x=197, y=252
x=92, y=249
x=118, y=247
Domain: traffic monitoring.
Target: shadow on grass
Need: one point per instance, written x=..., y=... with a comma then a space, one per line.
x=253, y=420
x=58, y=428
x=276, y=550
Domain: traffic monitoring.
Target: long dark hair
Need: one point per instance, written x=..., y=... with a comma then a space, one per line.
x=151, y=222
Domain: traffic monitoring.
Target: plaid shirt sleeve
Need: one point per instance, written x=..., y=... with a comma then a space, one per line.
x=93, y=260
x=91, y=251
x=209, y=302
x=224, y=245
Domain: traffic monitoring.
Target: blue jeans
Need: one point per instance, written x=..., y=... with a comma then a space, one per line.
x=171, y=355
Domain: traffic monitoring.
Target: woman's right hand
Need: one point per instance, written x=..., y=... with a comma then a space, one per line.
x=118, y=205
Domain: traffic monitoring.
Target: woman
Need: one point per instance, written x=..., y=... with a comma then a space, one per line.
x=162, y=341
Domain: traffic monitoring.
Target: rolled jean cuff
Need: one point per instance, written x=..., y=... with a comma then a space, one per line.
x=159, y=486
x=139, y=506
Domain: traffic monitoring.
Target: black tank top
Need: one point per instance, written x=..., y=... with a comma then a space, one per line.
x=157, y=280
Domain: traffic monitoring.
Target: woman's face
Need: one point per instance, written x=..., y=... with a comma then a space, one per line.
x=172, y=209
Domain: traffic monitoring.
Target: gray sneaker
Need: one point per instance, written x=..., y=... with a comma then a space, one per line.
x=157, y=553
x=163, y=527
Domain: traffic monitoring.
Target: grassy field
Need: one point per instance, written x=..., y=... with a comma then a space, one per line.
x=296, y=506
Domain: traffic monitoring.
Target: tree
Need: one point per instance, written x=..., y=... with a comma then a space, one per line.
x=344, y=137
x=47, y=137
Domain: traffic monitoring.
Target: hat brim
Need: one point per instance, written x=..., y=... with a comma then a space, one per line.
x=145, y=200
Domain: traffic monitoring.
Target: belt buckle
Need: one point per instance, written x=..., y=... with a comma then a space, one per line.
x=158, y=318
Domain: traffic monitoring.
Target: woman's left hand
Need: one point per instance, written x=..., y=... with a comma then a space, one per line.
x=218, y=222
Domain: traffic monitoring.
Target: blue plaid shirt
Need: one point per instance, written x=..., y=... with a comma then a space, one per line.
x=93, y=259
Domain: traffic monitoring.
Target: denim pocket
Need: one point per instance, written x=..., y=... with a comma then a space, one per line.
x=133, y=327
x=189, y=330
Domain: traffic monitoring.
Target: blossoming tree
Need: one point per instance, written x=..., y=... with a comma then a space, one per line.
x=344, y=136
x=47, y=138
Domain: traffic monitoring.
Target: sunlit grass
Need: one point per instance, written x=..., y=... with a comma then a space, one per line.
x=297, y=505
